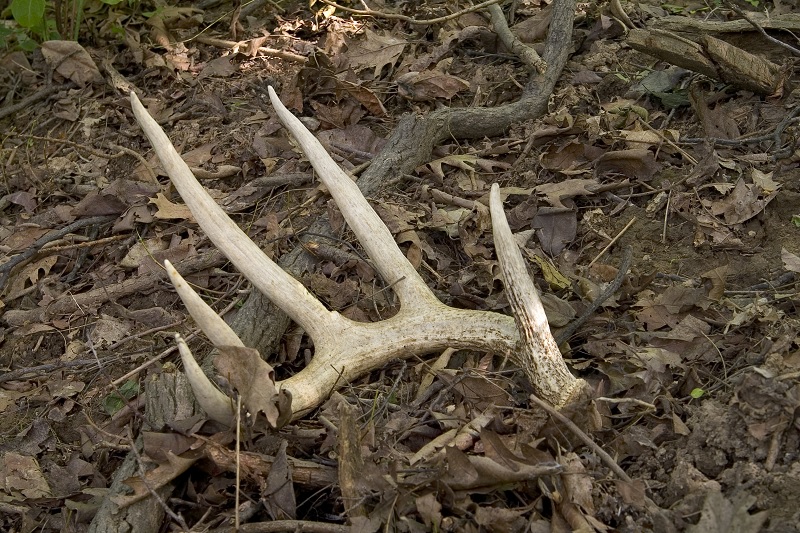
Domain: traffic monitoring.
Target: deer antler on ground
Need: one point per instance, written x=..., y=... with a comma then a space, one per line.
x=345, y=349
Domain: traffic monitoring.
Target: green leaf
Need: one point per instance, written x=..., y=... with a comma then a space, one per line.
x=28, y=13
x=117, y=399
x=697, y=393
x=796, y=220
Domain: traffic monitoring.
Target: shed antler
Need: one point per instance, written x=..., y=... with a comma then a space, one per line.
x=345, y=349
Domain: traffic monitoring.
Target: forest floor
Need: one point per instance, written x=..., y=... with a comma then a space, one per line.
x=694, y=361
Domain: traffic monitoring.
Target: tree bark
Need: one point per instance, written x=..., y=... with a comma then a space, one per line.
x=168, y=398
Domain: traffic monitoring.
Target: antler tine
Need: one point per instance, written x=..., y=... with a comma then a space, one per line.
x=285, y=291
x=540, y=355
x=216, y=405
x=209, y=322
x=362, y=219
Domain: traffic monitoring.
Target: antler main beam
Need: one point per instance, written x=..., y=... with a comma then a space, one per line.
x=345, y=349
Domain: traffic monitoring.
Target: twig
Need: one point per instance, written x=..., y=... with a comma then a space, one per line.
x=394, y=16
x=69, y=303
x=760, y=30
x=281, y=526
x=683, y=152
x=774, y=136
x=607, y=459
x=565, y=334
x=143, y=475
x=26, y=102
x=5, y=268
x=524, y=52
x=229, y=45
x=58, y=248
x=615, y=239
x=144, y=333
x=119, y=381
x=666, y=218
x=21, y=373
x=238, y=457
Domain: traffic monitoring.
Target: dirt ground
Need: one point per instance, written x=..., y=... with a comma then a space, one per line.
x=693, y=362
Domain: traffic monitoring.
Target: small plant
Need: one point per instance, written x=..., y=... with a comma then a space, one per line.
x=29, y=22
x=118, y=399
x=30, y=17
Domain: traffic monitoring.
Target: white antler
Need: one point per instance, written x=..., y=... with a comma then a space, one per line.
x=344, y=349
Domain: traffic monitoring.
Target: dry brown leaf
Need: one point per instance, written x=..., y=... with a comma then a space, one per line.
x=791, y=262
x=221, y=67
x=375, y=51
x=717, y=277
x=254, y=378
x=108, y=330
x=278, y=494
x=429, y=85
x=141, y=252
x=170, y=211
x=24, y=199
x=481, y=392
x=365, y=97
x=494, y=448
x=72, y=61
x=555, y=228
x=30, y=275
x=22, y=477
x=743, y=203
x=157, y=478
x=556, y=192
x=637, y=163
x=720, y=515
x=430, y=510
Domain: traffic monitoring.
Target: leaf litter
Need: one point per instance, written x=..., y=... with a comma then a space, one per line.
x=694, y=361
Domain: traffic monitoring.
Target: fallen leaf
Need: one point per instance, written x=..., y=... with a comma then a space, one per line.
x=221, y=67
x=430, y=510
x=556, y=192
x=22, y=477
x=142, y=252
x=555, y=228
x=254, y=378
x=72, y=61
x=637, y=163
x=157, y=478
x=169, y=211
x=278, y=494
x=791, y=262
x=743, y=203
x=721, y=515
x=429, y=85
x=24, y=199
x=375, y=51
